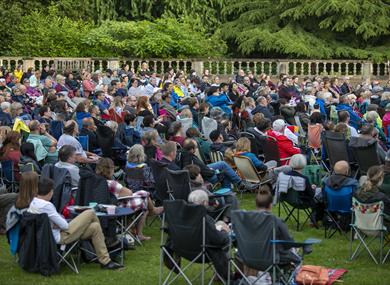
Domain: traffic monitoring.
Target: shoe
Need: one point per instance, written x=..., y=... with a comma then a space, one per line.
x=246, y=186
x=112, y=266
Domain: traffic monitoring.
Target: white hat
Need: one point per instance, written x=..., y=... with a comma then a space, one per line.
x=278, y=125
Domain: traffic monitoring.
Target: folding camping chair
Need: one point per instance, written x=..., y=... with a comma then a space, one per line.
x=271, y=151
x=248, y=171
x=338, y=210
x=178, y=183
x=65, y=251
x=258, y=248
x=365, y=156
x=289, y=199
x=252, y=138
x=216, y=156
x=8, y=175
x=185, y=225
x=336, y=147
x=367, y=226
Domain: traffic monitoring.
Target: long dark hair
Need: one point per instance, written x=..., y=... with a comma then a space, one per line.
x=27, y=149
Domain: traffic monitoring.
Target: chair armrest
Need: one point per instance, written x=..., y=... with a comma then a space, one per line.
x=289, y=243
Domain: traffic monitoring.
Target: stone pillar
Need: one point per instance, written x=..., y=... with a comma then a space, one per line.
x=198, y=67
x=366, y=70
x=27, y=63
x=113, y=63
x=282, y=67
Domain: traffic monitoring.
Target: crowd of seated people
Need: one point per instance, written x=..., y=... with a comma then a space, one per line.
x=174, y=121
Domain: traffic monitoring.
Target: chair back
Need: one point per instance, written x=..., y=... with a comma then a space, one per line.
x=7, y=171
x=336, y=147
x=340, y=200
x=366, y=156
x=252, y=139
x=135, y=178
x=292, y=198
x=216, y=156
x=247, y=169
x=56, y=129
x=84, y=141
x=368, y=217
x=186, y=227
x=208, y=125
x=105, y=139
x=254, y=238
x=271, y=150
x=199, y=153
x=313, y=172
x=179, y=184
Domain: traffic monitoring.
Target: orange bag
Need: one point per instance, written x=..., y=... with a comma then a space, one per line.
x=312, y=275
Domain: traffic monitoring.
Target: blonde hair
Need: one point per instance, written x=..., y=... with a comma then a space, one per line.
x=186, y=113
x=385, y=96
x=136, y=154
x=372, y=116
x=243, y=145
x=375, y=176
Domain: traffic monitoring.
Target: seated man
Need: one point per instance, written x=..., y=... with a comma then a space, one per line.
x=218, y=143
x=264, y=204
x=89, y=129
x=84, y=226
x=67, y=160
x=216, y=235
x=210, y=172
x=340, y=177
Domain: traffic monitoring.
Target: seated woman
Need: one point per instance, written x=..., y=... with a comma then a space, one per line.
x=136, y=162
x=370, y=192
x=176, y=133
x=11, y=151
x=28, y=160
x=228, y=198
x=28, y=189
x=243, y=148
x=140, y=200
x=298, y=163
x=151, y=146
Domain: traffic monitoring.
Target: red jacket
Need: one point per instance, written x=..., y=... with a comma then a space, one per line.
x=285, y=146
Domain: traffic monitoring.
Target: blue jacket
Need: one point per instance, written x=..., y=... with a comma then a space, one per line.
x=256, y=162
x=175, y=100
x=355, y=120
x=221, y=101
x=5, y=119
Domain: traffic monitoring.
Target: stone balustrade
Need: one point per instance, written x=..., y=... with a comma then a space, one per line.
x=223, y=66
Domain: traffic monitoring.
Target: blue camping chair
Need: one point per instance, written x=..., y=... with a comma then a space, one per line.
x=56, y=129
x=7, y=174
x=338, y=210
x=84, y=141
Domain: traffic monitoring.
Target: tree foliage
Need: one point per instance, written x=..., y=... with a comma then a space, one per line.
x=47, y=34
x=309, y=28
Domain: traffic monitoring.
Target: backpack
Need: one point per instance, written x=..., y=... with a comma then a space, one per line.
x=312, y=275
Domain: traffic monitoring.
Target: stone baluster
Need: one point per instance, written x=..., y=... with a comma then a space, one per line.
x=317, y=71
x=354, y=68
x=232, y=66
x=224, y=67
x=332, y=68
x=294, y=68
x=185, y=66
x=309, y=68
x=262, y=67
x=239, y=65
x=346, y=68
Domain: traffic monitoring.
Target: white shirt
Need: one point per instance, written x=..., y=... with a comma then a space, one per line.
x=353, y=131
x=58, y=223
x=291, y=136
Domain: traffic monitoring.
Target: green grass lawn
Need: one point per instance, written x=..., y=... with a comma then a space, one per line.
x=142, y=264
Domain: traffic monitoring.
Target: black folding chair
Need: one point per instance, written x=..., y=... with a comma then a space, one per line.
x=178, y=183
x=293, y=206
x=271, y=151
x=365, y=155
x=258, y=247
x=336, y=147
x=185, y=225
x=216, y=156
x=8, y=175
